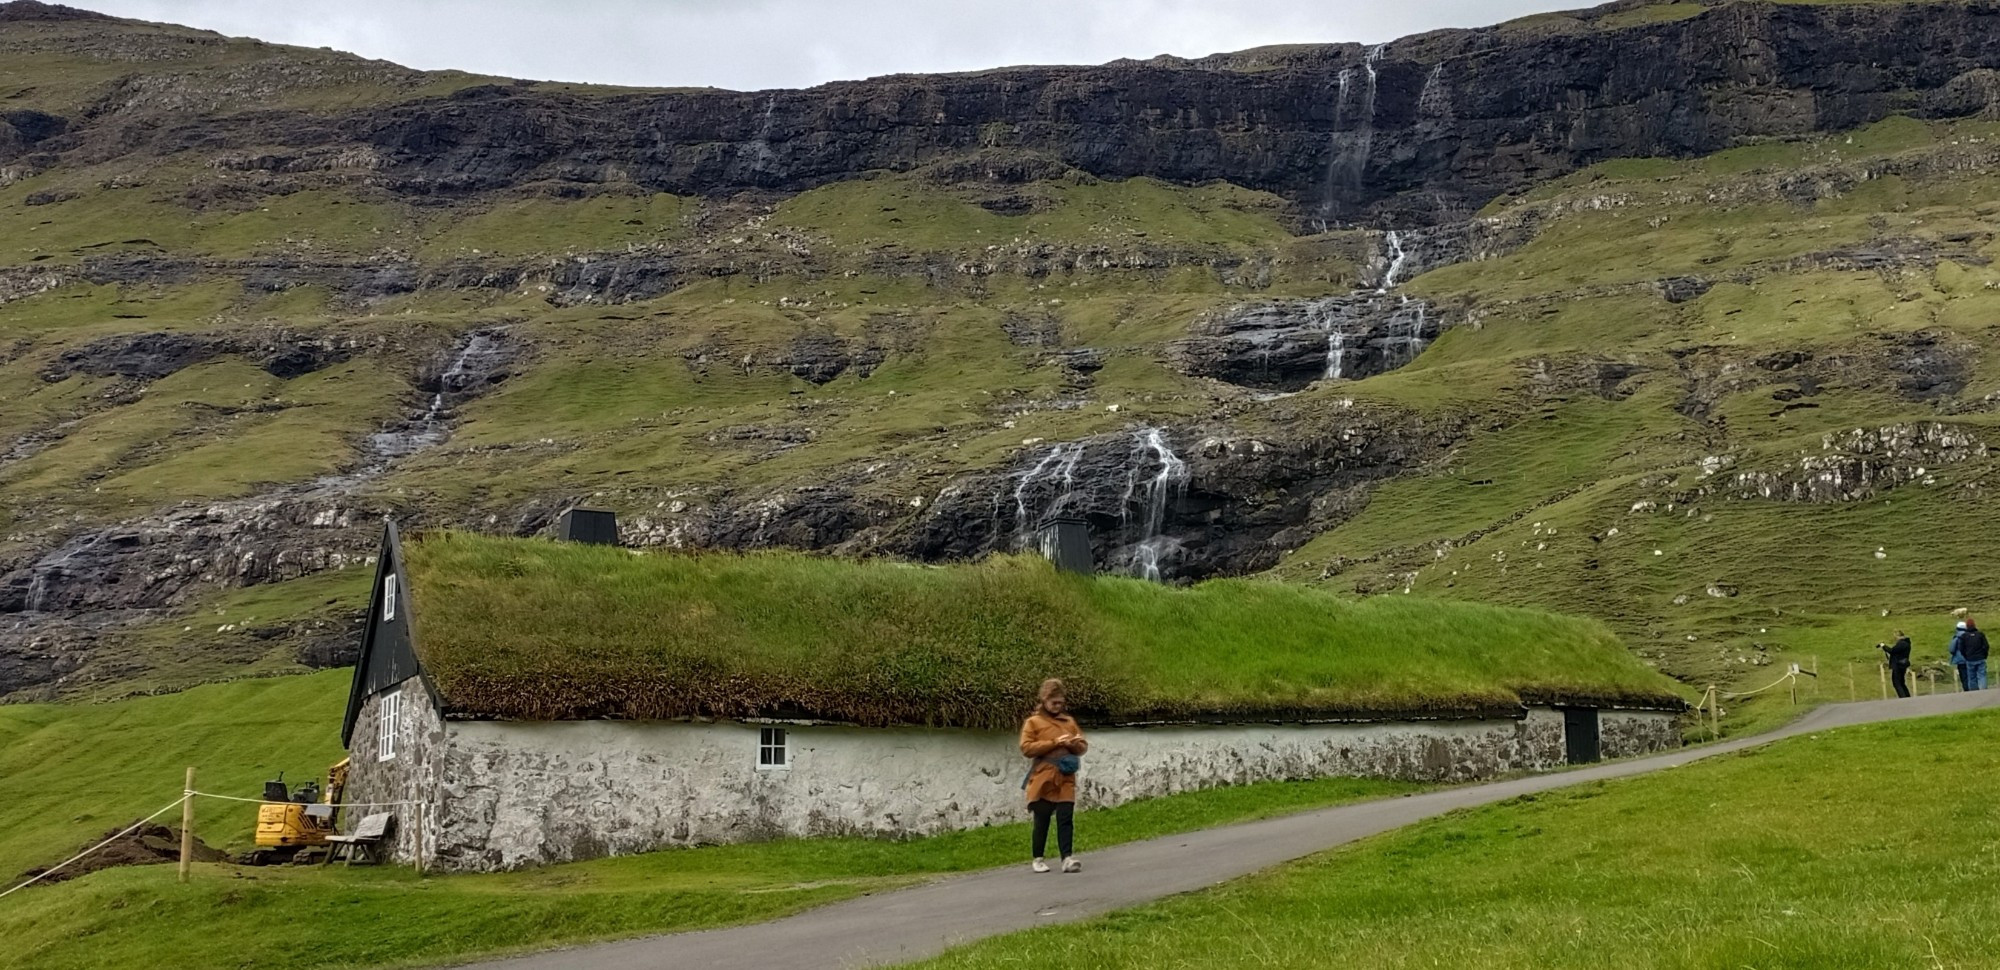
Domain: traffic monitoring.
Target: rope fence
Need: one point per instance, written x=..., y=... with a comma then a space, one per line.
x=186, y=804
x=1712, y=697
x=134, y=827
x=1790, y=677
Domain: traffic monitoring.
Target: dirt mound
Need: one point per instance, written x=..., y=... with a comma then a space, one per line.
x=144, y=846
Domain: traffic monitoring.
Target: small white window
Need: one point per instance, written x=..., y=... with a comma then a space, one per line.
x=389, y=724
x=772, y=754
x=389, y=597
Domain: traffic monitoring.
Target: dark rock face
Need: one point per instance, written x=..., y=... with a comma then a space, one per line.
x=151, y=356
x=146, y=356
x=1924, y=365
x=821, y=357
x=1451, y=119
x=1175, y=503
x=1681, y=289
x=1284, y=345
x=21, y=131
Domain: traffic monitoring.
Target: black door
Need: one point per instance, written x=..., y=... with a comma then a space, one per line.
x=1580, y=734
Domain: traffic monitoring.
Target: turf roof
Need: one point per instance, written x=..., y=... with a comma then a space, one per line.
x=538, y=630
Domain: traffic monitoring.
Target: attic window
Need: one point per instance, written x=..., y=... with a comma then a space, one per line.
x=772, y=752
x=388, y=597
x=388, y=724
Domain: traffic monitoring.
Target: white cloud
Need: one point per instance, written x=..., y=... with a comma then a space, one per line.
x=751, y=44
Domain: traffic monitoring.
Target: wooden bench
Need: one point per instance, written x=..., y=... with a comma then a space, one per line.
x=367, y=838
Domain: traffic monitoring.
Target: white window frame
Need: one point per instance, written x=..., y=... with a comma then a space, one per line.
x=388, y=597
x=388, y=724
x=774, y=749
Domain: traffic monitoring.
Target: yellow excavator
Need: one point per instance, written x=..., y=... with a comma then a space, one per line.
x=292, y=825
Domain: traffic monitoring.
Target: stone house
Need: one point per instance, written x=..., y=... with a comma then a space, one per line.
x=501, y=794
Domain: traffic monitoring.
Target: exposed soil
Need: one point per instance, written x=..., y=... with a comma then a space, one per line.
x=144, y=846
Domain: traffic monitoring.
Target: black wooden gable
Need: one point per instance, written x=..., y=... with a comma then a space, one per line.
x=388, y=641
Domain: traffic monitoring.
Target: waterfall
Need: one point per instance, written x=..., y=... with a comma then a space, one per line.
x=1415, y=345
x=758, y=149
x=1057, y=469
x=1347, y=161
x=1171, y=477
x=1336, y=354
x=1081, y=478
x=470, y=369
x=1331, y=182
x=1160, y=490
x=1434, y=100
x=1397, y=255
x=1365, y=135
x=54, y=568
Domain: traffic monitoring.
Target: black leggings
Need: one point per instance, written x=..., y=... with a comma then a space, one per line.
x=1065, y=813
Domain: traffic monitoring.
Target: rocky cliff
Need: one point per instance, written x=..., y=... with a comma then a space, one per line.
x=1417, y=131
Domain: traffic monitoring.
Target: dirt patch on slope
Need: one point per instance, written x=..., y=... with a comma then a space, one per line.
x=147, y=845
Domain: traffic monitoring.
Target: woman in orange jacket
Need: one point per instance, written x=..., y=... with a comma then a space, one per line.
x=1050, y=737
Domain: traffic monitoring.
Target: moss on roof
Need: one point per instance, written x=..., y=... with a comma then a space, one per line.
x=538, y=630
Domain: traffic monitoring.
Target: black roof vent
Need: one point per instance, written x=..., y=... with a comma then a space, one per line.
x=593, y=526
x=1066, y=542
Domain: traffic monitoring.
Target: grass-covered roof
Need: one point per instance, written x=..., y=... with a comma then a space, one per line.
x=539, y=630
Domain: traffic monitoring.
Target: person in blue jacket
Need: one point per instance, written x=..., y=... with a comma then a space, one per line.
x=1968, y=652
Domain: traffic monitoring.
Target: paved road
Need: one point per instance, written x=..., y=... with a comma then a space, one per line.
x=922, y=921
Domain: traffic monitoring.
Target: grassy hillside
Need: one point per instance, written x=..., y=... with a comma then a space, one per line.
x=1636, y=436
x=537, y=629
x=70, y=772
x=1831, y=851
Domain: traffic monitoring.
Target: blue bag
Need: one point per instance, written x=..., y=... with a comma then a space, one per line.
x=1068, y=764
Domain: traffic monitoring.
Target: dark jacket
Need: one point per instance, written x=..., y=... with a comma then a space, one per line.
x=1899, y=652
x=1971, y=645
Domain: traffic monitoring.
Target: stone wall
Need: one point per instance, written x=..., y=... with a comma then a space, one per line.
x=516, y=794
x=1626, y=734
x=410, y=777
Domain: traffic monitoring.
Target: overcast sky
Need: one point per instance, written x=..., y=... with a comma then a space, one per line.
x=752, y=44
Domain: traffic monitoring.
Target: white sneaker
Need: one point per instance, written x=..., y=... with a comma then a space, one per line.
x=1039, y=866
x=1071, y=865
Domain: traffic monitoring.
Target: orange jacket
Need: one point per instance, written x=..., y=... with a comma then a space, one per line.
x=1038, y=741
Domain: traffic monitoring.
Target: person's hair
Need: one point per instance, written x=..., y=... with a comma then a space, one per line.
x=1901, y=634
x=1970, y=623
x=1052, y=687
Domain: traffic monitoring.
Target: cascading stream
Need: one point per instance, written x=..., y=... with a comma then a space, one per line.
x=1347, y=160
x=1397, y=256
x=1154, y=477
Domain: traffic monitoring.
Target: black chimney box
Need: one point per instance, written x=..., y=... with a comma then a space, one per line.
x=1066, y=542
x=592, y=526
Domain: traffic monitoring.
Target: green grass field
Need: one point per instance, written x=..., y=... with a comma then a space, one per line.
x=71, y=772
x=719, y=635
x=1858, y=849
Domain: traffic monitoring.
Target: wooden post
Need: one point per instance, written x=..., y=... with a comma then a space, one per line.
x=417, y=823
x=187, y=825
x=1850, y=681
x=1714, y=711
x=1883, y=669
x=1933, y=673
x=1793, y=680
x=1815, y=680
